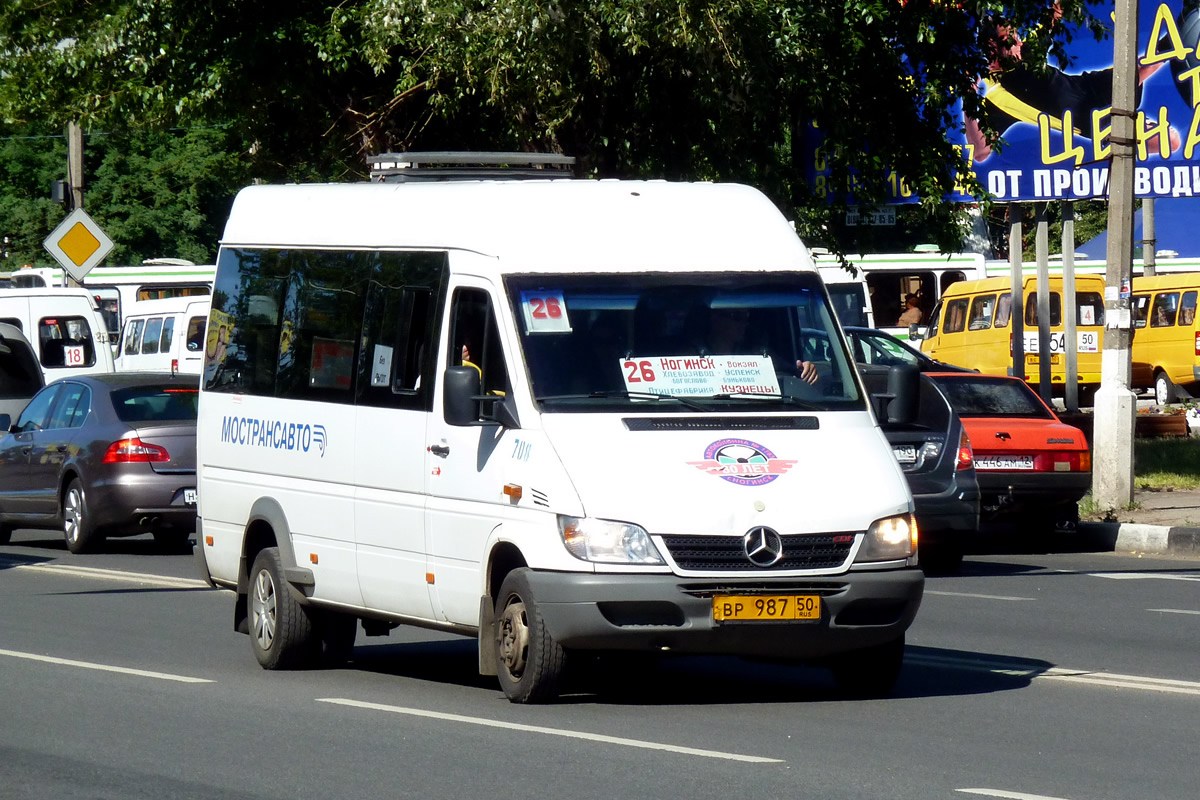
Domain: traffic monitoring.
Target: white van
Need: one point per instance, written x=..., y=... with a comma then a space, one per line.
x=164, y=336
x=64, y=325
x=496, y=408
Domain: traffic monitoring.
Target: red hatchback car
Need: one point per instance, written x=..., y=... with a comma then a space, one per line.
x=1029, y=463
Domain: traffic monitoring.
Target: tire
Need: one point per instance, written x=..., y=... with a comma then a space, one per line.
x=1164, y=389
x=941, y=559
x=870, y=672
x=529, y=663
x=78, y=530
x=282, y=633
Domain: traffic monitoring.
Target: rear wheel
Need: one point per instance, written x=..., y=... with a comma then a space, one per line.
x=1164, y=389
x=872, y=671
x=530, y=664
x=282, y=633
x=78, y=531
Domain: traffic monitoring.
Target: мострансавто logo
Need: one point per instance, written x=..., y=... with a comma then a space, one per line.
x=274, y=434
x=743, y=462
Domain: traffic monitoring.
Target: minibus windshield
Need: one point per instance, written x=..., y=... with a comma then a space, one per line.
x=742, y=342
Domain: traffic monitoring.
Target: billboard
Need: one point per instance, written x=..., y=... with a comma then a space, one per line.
x=1056, y=124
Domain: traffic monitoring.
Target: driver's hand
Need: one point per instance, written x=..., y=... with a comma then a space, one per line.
x=808, y=371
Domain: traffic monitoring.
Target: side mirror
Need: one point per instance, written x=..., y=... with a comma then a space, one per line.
x=460, y=387
x=914, y=332
x=901, y=403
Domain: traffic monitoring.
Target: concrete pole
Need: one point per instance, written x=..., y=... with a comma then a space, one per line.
x=1070, y=336
x=1045, y=358
x=1116, y=405
x=1149, y=238
x=74, y=179
x=1017, y=289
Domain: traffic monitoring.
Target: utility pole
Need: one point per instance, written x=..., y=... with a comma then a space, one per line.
x=1116, y=405
x=74, y=179
x=1070, y=332
x=1016, y=297
x=1149, y=240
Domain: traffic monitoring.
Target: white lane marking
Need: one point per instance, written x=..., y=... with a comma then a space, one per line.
x=96, y=573
x=141, y=673
x=1009, y=795
x=1174, y=611
x=978, y=596
x=1143, y=576
x=514, y=726
x=1110, y=679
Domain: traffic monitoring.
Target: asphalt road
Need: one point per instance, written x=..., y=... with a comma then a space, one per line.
x=1061, y=675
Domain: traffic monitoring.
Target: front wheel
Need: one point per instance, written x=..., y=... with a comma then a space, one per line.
x=1164, y=389
x=78, y=530
x=872, y=671
x=530, y=664
x=282, y=633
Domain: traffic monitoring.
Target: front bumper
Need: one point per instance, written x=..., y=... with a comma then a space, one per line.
x=654, y=612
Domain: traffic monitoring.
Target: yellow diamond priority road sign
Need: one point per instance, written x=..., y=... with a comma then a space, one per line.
x=78, y=244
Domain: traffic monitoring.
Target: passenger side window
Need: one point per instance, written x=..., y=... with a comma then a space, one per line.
x=72, y=408
x=168, y=333
x=1003, y=310
x=33, y=418
x=195, y=334
x=982, y=308
x=934, y=320
x=1166, y=306
x=66, y=342
x=1187, y=309
x=475, y=339
x=150, y=335
x=133, y=337
x=956, y=316
x=1141, y=309
x=1031, y=318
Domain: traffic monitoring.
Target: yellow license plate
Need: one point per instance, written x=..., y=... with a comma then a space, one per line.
x=1055, y=359
x=766, y=607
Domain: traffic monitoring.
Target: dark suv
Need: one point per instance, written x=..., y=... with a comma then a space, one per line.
x=936, y=458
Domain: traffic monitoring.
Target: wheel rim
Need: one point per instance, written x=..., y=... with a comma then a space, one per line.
x=72, y=514
x=512, y=635
x=263, y=610
x=1160, y=392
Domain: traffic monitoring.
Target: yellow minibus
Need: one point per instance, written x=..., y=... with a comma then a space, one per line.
x=1166, y=344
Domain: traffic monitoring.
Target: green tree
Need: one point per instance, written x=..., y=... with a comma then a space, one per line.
x=725, y=90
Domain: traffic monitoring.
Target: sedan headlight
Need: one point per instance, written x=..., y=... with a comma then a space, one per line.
x=607, y=542
x=889, y=539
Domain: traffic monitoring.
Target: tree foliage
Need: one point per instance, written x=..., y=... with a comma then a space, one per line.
x=724, y=90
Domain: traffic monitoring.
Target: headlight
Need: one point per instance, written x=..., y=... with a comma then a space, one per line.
x=889, y=539
x=608, y=542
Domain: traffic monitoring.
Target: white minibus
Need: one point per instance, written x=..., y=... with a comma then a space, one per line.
x=164, y=336
x=64, y=326
x=560, y=416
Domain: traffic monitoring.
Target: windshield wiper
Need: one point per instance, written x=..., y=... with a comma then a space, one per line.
x=783, y=398
x=621, y=393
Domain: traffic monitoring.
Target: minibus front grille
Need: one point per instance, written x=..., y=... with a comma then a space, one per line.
x=800, y=551
x=706, y=590
x=737, y=423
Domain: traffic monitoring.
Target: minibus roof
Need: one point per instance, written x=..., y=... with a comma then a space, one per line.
x=531, y=225
x=1000, y=284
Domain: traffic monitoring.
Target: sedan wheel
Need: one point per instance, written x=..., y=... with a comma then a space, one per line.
x=77, y=525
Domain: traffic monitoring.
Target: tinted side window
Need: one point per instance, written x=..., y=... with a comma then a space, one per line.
x=1003, y=310
x=1141, y=308
x=297, y=323
x=151, y=334
x=1166, y=305
x=133, y=337
x=475, y=339
x=71, y=407
x=195, y=334
x=1187, y=309
x=1089, y=308
x=956, y=316
x=982, y=308
x=33, y=418
x=934, y=321
x=168, y=333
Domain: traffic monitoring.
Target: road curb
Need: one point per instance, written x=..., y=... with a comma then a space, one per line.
x=1133, y=537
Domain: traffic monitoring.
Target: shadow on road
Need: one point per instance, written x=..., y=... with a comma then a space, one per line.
x=11, y=560
x=142, y=544
x=640, y=680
